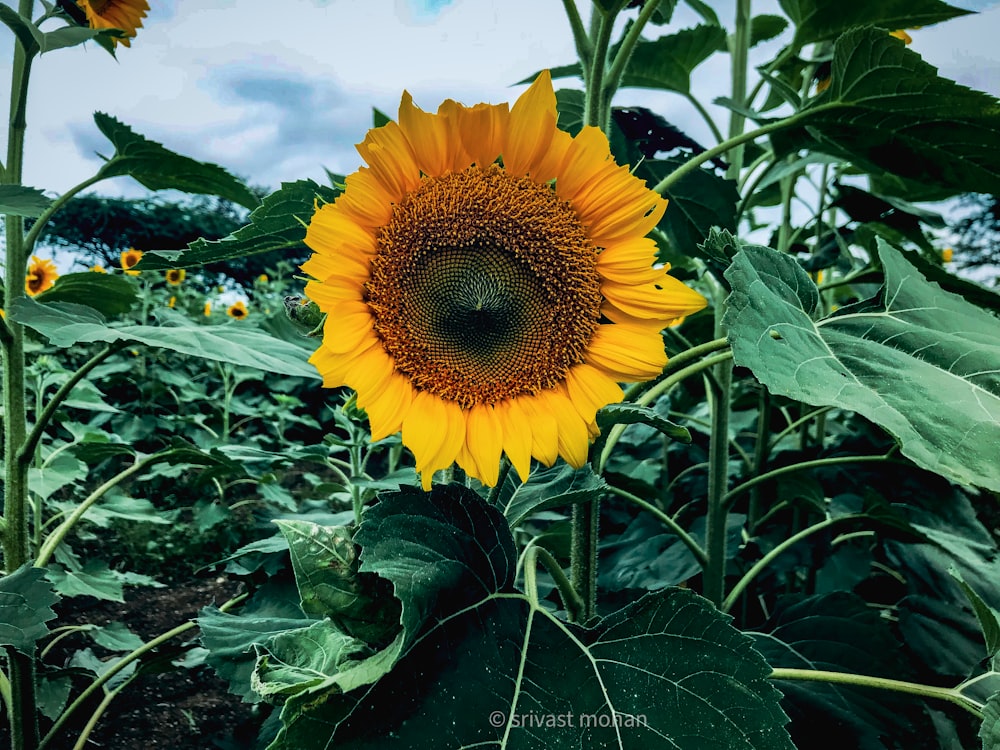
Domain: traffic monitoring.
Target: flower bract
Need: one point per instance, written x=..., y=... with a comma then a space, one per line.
x=488, y=282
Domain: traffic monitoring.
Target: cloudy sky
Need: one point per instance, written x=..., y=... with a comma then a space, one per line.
x=277, y=91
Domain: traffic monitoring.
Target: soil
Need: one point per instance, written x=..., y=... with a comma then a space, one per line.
x=176, y=709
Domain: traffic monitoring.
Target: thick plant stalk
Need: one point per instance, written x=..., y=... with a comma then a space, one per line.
x=21, y=667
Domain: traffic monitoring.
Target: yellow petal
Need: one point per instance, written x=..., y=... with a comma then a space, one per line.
x=332, y=232
x=627, y=353
x=517, y=431
x=628, y=222
x=434, y=430
x=364, y=199
x=483, y=129
x=663, y=300
x=427, y=134
x=585, y=158
x=391, y=159
x=590, y=389
x=574, y=439
x=532, y=125
x=544, y=429
x=630, y=261
x=485, y=442
x=346, y=330
x=388, y=407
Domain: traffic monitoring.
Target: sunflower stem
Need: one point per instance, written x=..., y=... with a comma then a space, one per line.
x=21, y=667
x=597, y=108
x=584, y=49
x=616, y=70
x=583, y=556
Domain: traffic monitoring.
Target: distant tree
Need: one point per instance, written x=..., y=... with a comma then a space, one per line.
x=977, y=242
x=99, y=229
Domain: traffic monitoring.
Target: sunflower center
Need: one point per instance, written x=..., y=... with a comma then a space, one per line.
x=485, y=286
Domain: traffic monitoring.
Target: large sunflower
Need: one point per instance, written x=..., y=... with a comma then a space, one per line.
x=489, y=307
x=126, y=15
x=42, y=274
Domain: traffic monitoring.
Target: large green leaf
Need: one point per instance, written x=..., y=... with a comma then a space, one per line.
x=839, y=632
x=65, y=325
x=158, y=168
x=489, y=664
x=22, y=201
x=920, y=362
x=279, y=223
x=816, y=20
x=559, y=486
x=26, y=600
x=109, y=295
x=666, y=671
x=989, y=732
x=888, y=110
x=667, y=62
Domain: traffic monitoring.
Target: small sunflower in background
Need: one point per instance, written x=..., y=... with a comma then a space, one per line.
x=486, y=306
x=125, y=15
x=237, y=310
x=130, y=258
x=172, y=303
x=98, y=268
x=176, y=276
x=41, y=275
x=207, y=310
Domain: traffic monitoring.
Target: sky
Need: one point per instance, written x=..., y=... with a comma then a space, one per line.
x=278, y=91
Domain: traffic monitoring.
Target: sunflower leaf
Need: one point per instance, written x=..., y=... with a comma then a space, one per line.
x=920, y=362
x=839, y=632
x=26, y=600
x=517, y=677
x=816, y=20
x=65, y=324
x=989, y=732
x=556, y=487
x=989, y=618
x=29, y=35
x=667, y=62
x=888, y=110
x=22, y=201
x=613, y=414
x=158, y=168
x=109, y=295
x=279, y=223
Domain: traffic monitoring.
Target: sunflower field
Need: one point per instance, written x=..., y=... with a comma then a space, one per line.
x=547, y=427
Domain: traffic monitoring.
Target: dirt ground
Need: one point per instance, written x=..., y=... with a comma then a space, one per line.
x=181, y=709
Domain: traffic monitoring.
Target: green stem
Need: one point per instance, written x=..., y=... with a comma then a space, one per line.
x=494, y=495
x=654, y=393
x=778, y=550
x=572, y=602
x=584, y=49
x=23, y=709
x=716, y=151
x=718, y=478
x=583, y=555
x=952, y=695
x=597, y=110
x=759, y=451
x=81, y=741
x=791, y=468
x=126, y=660
x=56, y=537
x=57, y=399
x=670, y=523
x=694, y=101
x=616, y=70
x=792, y=426
x=36, y=229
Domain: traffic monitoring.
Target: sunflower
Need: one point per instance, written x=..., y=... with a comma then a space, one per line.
x=98, y=269
x=237, y=310
x=172, y=303
x=207, y=310
x=42, y=274
x=487, y=307
x=175, y=276
x=130, y=258
x=126, y=15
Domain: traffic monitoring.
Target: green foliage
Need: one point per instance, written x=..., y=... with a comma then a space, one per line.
x=26, y=601
x=158, y=168
x=22, y=201
x=853, y=358
x=874, y=114
x=816, y=20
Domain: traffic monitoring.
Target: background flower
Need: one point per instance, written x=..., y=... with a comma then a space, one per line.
x=237, y=310
x=126, y=15
x=41, y=275
x=130, y=258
